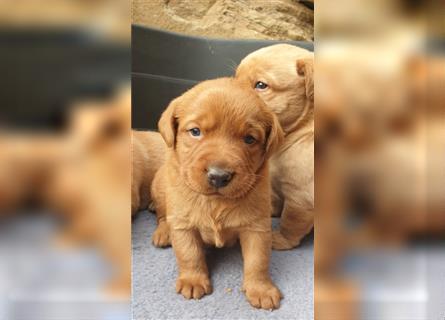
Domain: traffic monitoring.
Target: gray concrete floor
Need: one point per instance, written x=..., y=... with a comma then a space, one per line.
x=154, y=274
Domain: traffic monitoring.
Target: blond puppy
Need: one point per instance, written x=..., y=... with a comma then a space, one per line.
x=282, y=76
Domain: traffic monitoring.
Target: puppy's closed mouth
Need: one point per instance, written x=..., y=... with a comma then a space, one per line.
x=216, y=192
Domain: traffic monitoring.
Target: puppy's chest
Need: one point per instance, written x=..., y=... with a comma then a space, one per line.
x=217, y=224
x=218, y=236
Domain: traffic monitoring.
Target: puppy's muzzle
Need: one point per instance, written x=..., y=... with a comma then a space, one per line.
x=218, y=177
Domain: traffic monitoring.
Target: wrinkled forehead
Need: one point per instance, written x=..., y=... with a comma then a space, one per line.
x=222, y=108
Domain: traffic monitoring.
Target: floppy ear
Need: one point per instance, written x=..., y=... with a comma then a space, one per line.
x=275, y=136
x=168, y=124
x=305, y=68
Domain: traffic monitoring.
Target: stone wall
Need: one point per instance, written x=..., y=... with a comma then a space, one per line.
x=254, y=19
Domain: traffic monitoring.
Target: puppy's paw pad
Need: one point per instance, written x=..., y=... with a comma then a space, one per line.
x=161, y=237
x=264, y=296
x=194, y=287
x=279, y=242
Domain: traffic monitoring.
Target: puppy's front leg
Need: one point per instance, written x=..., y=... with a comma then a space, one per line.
x=161, y=236
x=193, y=280
x=260, y=291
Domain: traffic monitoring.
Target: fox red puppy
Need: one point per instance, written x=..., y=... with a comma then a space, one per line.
x=214, y=187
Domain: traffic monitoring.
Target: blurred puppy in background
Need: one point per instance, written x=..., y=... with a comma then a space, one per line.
x=378, y=132
x=91, y=186
x=82, y=174
x=282, y=75
x=214, y=187
x=148, y=151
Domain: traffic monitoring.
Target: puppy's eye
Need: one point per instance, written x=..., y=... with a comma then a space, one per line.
x=249, y=139
x=260, y=86
x=195, y=132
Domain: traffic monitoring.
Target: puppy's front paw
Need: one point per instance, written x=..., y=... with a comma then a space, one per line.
x=264, y=295
x=161, y=236
x=193, y=286
x=280, y=242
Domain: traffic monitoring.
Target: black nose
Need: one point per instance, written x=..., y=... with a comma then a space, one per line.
x=218, y=177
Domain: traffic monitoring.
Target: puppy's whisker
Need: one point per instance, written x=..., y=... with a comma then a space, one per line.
x=249, y=184
x=232, y=65
x=254, y=175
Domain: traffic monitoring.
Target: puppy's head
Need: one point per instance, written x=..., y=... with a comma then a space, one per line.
x=220, y=134
x=282, y=75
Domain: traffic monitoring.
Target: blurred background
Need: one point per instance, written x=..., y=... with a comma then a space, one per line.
x=380, y=160
x=64, y=159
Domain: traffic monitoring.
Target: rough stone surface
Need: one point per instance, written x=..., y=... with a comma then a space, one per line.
x=249, y=19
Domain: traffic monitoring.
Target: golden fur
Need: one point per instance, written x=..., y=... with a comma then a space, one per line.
x=148, y=154
x=199, y=214
x=288, y=72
